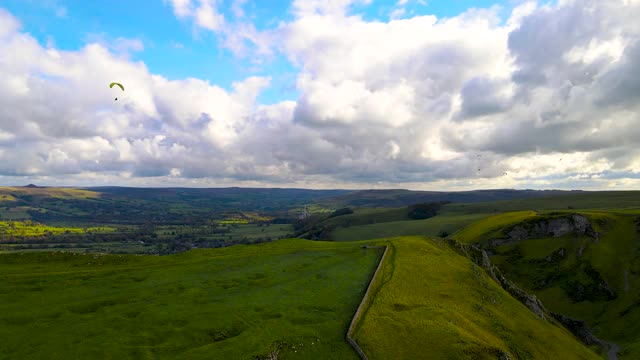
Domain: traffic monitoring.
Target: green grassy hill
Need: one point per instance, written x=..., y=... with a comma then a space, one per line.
x=367, y=223
x=591, y=277
x=579, y=200
x=140, y=205
x=291, y=297
x=241, y=302
x=434, y=226
x=431, y=303
x=401, y=197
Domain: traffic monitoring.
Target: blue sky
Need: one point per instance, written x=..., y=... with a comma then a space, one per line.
x=176, y=49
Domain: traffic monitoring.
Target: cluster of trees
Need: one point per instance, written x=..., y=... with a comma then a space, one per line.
x=314, y=227
x=76, y=238
x=425, y=210
x=340, y=212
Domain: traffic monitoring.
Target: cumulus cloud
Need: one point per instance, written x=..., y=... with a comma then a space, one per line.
x=548, y=97
x=239, y=36
x=303, y=8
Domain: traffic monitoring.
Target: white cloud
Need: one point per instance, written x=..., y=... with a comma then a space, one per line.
x=550, y=97
x=397, y=13
x=239, y=36
x=9, y=24
x=208, y=17
x=303, y=8
x=182, y=8
x=237, y=8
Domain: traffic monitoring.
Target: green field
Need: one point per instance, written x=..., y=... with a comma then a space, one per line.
x=431, y=227
x=232, y=303
x=237, y=231
x=33, y=229
x=431, y=303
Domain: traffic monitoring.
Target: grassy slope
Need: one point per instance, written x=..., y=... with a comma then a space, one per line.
x=49, y=192
x=432, y=303
x=430, y=227
x=488, y=226
x=582, y=200
x=375, y=223
x=616, y=252
x=61, y=306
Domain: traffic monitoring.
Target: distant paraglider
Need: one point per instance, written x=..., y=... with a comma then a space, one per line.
x=115, y=83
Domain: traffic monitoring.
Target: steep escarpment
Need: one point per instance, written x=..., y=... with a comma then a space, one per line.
x=579, y=265
x=577, y=327
x=550, y=252
x=428, y=302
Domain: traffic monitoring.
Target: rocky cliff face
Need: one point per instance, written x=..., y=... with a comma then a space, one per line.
x=590, y=286
x=554, y=227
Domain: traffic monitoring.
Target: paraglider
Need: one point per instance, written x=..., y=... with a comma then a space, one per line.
x=115, y=83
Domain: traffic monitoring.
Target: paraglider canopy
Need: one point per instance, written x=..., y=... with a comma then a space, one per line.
x=115, y=83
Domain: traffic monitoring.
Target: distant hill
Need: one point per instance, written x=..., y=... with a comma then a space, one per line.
x=140, y=205
x=399, y=197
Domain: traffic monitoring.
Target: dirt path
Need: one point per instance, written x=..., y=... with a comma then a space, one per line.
x=614, y=349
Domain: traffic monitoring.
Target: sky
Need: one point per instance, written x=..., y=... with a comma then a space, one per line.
x=353, y=94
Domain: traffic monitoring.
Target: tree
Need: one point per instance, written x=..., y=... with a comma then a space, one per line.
x=340, y=212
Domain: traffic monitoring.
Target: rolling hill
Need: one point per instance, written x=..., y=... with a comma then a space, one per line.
x=289, y=299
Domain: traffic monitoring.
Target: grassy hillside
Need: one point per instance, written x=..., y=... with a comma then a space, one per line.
x=400, y=197
x=140, y=205
x=431, y=227
x=596, y=279
x=240, y=302
x=431, y=303
x=578, y=200
x=375, y=223
x=12, y=193
x=491, y=225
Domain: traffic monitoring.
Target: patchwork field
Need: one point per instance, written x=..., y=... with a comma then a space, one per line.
x=33, y=229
